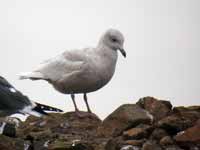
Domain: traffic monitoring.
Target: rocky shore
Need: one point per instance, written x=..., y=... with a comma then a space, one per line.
x=150, y=124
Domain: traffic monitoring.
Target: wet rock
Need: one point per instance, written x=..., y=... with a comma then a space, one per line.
x=150, y=145
x=141, y=131
x=124, y=117
x=158, y=108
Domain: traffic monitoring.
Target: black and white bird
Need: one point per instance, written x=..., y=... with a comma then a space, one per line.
x=13, y=101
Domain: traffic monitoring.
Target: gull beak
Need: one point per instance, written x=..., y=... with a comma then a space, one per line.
x=123, y=52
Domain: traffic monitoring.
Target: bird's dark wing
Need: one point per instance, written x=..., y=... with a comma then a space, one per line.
x=11, y=98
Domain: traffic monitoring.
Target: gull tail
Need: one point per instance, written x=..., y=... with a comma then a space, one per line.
x=31, y=75
x=39, y=110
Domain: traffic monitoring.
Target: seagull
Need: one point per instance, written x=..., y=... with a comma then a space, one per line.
x=81, y=71
x=13, y=101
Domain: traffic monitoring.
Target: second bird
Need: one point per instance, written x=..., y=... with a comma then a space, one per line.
x=82, y=71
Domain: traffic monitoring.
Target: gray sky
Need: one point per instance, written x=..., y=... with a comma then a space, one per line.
x=161, y=40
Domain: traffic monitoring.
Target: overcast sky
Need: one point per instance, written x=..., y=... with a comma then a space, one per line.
x=161, y=41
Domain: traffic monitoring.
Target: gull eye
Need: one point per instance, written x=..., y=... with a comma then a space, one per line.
x=114, y=40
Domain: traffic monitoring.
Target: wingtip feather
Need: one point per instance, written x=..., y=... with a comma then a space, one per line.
x=30, y=75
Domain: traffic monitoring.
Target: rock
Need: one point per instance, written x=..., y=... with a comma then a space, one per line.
x=141, y=131
x=158, y=108
x=59, y=131
x=190, y=135
x=173, y=147
x=74, y=145
x=167, y=140
x=124, y=117
x=158, y=133
x=190, y=114
x=182, y=109
x=181, y=119
x=150, y=145
x=134, y=142
x=8, y=143
x=8, y=126
x=8, y=129
x=60, y=123
x=175, y=123
x=119, y=144
x=130, y=127
x=114, y=143
x=134, y=133
x=130, y=147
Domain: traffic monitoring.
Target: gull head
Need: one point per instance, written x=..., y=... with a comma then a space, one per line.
x=114, y=39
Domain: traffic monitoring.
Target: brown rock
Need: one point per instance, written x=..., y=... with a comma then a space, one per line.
x=190, y=135
x=8, y=143
x=9, y=130
x=158, y=108
x=158, y=133
x=138, y=132
x=130, y=147
x=150, y=145
x=173, y=147
x=127, y=128
x=181, y=109
x=167, y=140
x=134, y=142
x=134, y=133
x=60, y=131
x=124, y=117
x=59, y=123
x=74, y=145
x=176, y=122
x=114, y=143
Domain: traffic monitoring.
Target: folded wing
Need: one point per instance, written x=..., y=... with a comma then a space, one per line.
x=59, y=66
